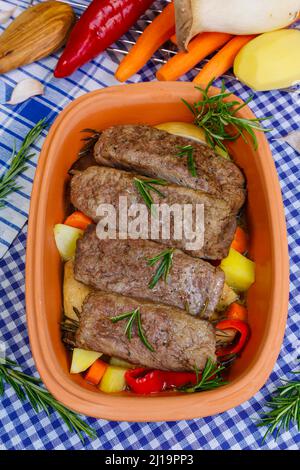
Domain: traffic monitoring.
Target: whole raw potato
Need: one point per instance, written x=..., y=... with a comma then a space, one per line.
x=270, y=61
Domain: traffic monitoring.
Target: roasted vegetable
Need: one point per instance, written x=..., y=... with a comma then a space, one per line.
x=115, y=361
x=242, y=328
x=96, y=372
x=65, y=239
x=190, y=131
x=82, y=360
x=74, y=292
x=34, y=34
x=113, y=380
x=228, y=297
x=270, y=61
x=239, y=270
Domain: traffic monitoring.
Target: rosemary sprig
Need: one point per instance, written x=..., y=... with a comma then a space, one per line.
x=188, y=151
x=145, y=187
x=163, y=270
x=213, y=114
x=28, y=387
x=134, y=316
x=284, y=408
x=209, y=379
x=18, y=162
x=89, y=142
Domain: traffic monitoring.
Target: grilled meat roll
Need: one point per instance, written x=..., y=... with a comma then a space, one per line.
x=100, y=185
x=180, y=342
x=153, y=152
x=121, y=266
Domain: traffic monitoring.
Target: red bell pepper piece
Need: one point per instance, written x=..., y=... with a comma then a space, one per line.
x=145, y=381
x=238, y=325
x=103, y=23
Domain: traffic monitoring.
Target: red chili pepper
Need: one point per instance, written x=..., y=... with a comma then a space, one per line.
x=103, y=23
x=238, y=325
x=145, y=381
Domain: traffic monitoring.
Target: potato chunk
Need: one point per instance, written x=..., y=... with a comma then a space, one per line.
x=74, y=292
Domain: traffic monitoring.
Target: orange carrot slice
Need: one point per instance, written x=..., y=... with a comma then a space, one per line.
x=236, y=312
x=78, y=220
x=156, y=34
x=223, y=60
x=199, y=48
x=240, y=241
x=96, y=372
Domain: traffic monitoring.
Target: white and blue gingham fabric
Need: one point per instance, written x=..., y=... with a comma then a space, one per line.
x=20, y=427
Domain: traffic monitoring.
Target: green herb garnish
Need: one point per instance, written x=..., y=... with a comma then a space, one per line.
x=188, y=151
x=28, y=387
x=213, y=114
x=284, y=408
x=209, y=379
x=145, y=187
x=134, y=315
x=163, y=270
x=18, y=162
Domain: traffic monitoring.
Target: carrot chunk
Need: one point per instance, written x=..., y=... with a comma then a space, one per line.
x=78, y=220
x=237, y=311
x=240, y=241
x=96, y=372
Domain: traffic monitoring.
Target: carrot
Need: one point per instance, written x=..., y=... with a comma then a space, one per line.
x=78, y=220
x=200, y=47
x=156, y=34
x=240, y=241
x=223, y=60
x=236, y=312
x=96, y=372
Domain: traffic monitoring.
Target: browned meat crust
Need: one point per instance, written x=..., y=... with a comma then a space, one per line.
x=101, y=185
x=153, y=152
x=121, y=266
x=181, y=342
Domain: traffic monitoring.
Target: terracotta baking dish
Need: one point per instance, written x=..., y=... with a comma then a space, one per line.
x=151, y=103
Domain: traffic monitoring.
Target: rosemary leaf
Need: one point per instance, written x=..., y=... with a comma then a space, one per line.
x=18, y=163
x=145, y=187
x=209, y=379
x=28, y=387
x=133, y=316
x=163, y=270
x=284, y=408
x=188, y=151
x=214, y=115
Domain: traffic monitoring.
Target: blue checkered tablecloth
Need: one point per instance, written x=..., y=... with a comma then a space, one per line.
x=21, y=427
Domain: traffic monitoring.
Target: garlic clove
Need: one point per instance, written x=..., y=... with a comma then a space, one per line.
x=5, y=15
x=25, y=89
x=293, y=139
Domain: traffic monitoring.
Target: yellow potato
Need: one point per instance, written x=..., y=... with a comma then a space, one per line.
x=239, y=271
x=188, y=130
x=228, y=297
x=115, y=361
x=113, y=380
x=66, y=238
x=74, y=292
x=82, y=360
x=270, y=61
